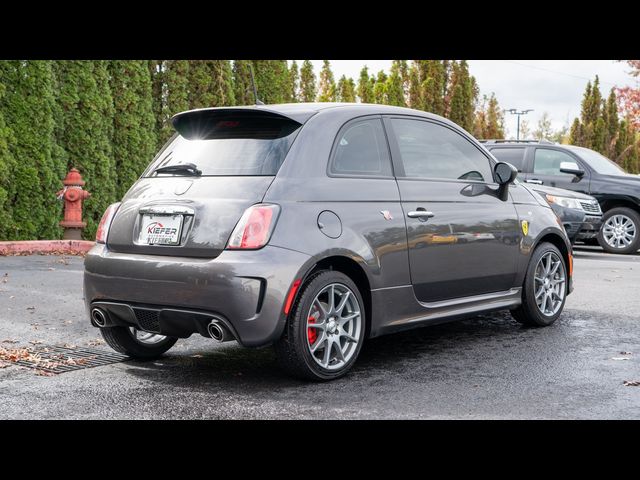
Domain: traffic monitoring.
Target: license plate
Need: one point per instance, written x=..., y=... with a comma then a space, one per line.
x=160, y=229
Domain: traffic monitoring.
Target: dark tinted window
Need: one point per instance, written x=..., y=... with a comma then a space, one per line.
x=514, y=156
x=547, y=161
x=231, y=146
x=361, y=149
x=429, y=150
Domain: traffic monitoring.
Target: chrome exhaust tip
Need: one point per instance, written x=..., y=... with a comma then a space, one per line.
x=216, y=331
x=98, y=318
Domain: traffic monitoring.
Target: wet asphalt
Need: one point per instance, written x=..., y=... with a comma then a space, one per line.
x=488, y=367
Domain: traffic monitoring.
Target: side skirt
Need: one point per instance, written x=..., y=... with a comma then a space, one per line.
x=396, y=309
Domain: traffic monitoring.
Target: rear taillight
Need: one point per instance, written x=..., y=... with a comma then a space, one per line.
x=255, y=227
x=105, y=223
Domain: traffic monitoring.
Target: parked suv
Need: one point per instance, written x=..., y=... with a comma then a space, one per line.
x=582, y=170
x=311, y=227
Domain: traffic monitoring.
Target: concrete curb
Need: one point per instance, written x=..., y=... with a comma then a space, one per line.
x=46, y=247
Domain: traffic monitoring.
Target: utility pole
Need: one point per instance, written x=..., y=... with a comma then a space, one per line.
x=514, y=111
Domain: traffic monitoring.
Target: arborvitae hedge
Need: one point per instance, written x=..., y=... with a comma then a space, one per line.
x=7, y=166
x=28, y=109
x=87, y=133
x=134, y=137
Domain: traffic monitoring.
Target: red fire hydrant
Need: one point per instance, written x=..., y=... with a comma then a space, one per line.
x=73, y=195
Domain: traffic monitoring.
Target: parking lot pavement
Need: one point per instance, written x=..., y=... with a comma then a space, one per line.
x=485, y=367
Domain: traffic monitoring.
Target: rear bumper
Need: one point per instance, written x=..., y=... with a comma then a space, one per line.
x=245, y=288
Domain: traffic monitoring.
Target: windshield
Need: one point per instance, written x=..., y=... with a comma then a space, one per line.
x=243, y=151
x=599, y=163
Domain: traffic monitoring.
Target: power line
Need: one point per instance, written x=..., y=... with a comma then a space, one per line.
x=556, y=72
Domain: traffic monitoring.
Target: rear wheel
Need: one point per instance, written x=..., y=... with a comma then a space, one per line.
x=137, y=343
x=619, y=232
x=325, y=330
x=544, y=289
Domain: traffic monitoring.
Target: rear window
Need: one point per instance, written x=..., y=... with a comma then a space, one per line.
x=230, y=147
x=514, y=156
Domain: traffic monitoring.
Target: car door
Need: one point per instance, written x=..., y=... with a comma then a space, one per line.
x=462, y=240
x=546, y=170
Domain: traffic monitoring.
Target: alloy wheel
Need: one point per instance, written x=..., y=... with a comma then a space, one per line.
x=146, y=338
x=333, y=326
x=619, y=231
x=549, y=284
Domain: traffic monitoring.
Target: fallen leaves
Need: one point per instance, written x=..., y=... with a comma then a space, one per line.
x=95, y=342
x=35, y=342
x=42, y=365
x=5, y=278
x=631, y=383
x=9, y=340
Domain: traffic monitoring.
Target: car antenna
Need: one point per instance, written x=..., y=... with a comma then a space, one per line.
x=253, y=85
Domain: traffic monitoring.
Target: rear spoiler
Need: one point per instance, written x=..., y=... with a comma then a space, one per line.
x=206, y=123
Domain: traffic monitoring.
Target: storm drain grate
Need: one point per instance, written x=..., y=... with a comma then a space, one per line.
x=52, y=359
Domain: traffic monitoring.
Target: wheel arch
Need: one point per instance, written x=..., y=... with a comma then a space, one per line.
x=622, y=201
x=557, y=240
x=352, y=269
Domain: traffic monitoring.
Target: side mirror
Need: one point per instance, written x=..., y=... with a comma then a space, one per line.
x=505, y=174
x=571, y=168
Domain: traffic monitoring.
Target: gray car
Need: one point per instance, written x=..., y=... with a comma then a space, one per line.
x=312, y=227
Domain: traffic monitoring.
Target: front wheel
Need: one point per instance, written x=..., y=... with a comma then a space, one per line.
x=136, y=343
x=619, y=232
x=544, y=288
x=325, y=330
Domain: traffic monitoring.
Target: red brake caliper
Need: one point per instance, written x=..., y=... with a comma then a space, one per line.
x=312, y=333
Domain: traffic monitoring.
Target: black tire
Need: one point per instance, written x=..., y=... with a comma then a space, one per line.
x=122, y=340
x=292, y=349
x=528, y=312
x=635, y=219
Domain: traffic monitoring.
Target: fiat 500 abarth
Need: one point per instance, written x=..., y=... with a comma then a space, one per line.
x=312, y=227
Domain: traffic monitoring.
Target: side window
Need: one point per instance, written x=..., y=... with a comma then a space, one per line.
x=429, y=150
x=514, y=156
x=361, y=149
x=547, y=162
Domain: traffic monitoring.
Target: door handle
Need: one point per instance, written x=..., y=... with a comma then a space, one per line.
x=420, y=214
x=535, y=181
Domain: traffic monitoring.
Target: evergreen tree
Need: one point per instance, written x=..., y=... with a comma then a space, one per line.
x=134, y=137
x=7, y=167
x=327, y=85
x=243, y=90
x=489, y=119
x=433, y=85
x=395, y=86
x=416, y=98
x=272, y=80
x=156, y=70
x=28, y=108
x=463, y=96
x=346, y=90
x=365, y=86
x=87, y=131
x=307, y=82
x=575, y=133
x=210, y=84
x=380, y=88
x=294, y=82
x=612, y=124
x=176, y=94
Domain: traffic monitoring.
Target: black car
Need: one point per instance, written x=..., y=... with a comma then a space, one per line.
x=580, y=213
x=581, y=170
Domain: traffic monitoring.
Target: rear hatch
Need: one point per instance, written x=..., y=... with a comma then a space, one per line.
x=221, y=162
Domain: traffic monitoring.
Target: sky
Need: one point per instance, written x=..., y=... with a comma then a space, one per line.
x=553, y=86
